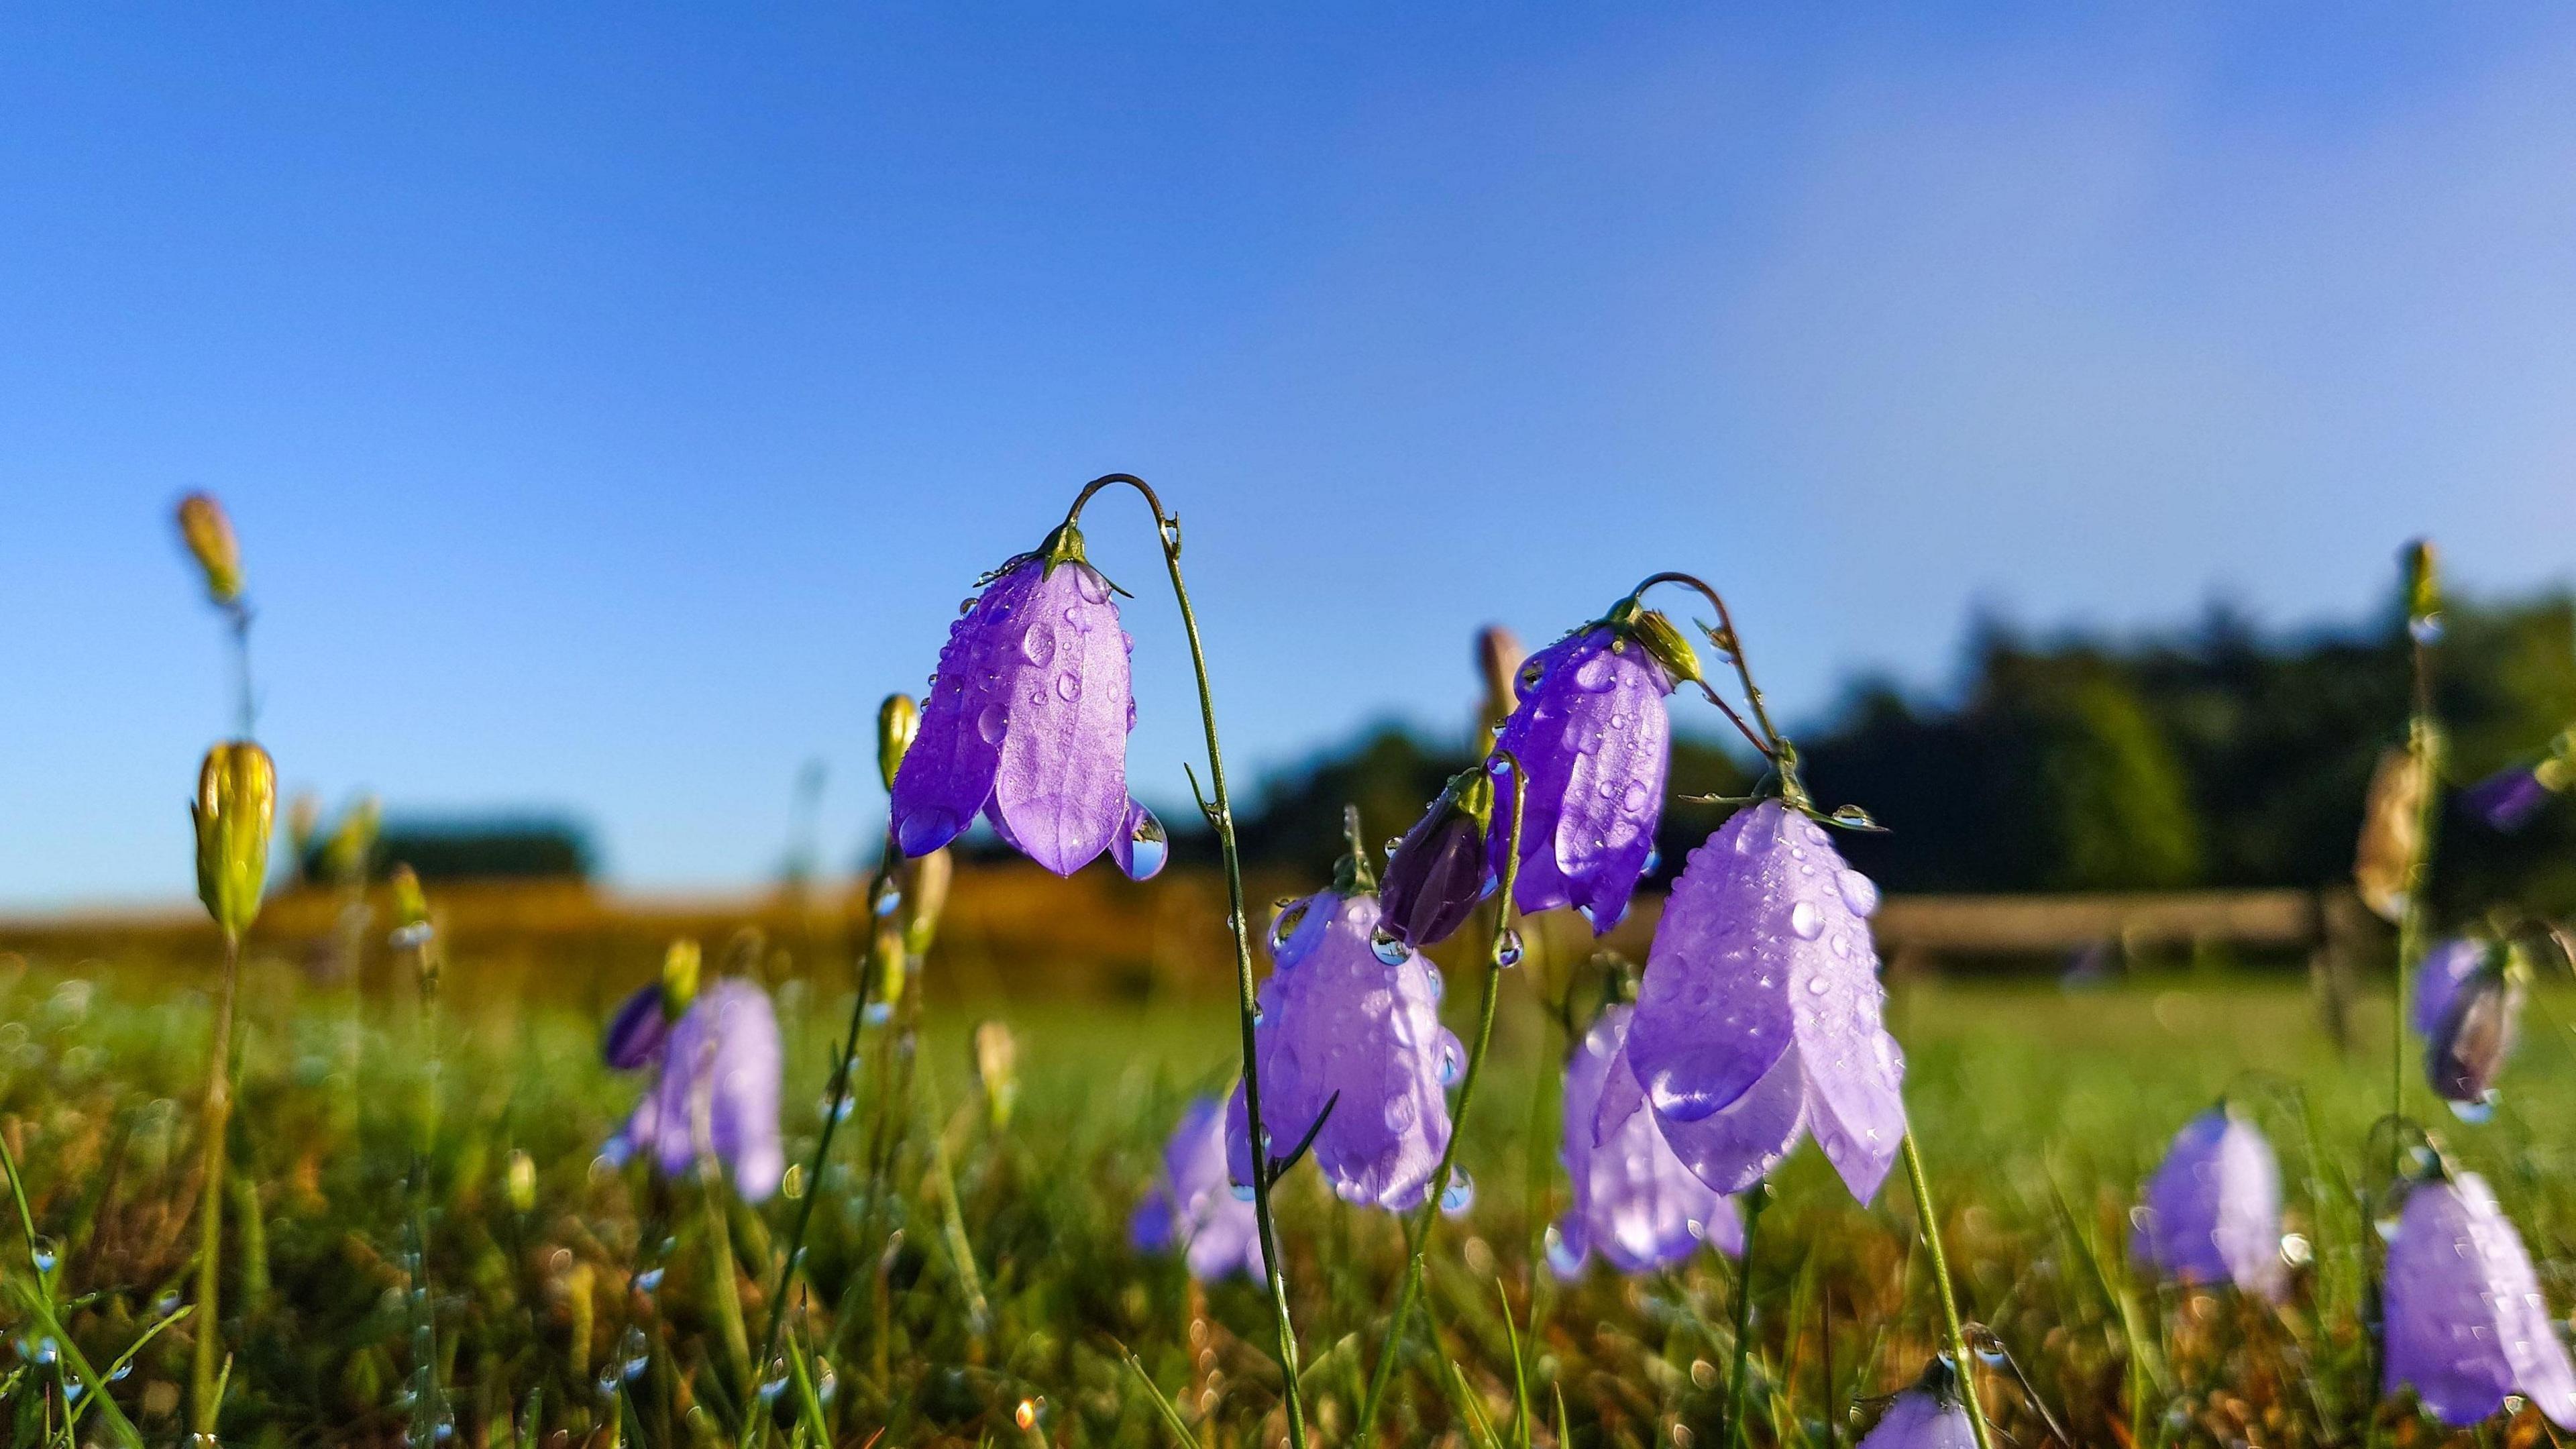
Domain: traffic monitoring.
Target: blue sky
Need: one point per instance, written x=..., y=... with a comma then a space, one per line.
x=615, y=403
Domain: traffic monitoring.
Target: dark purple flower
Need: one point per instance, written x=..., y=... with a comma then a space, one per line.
x=1592, y=736
x=2213, y=1209
x=2507, y=799
x=1929, y=1415
x=1760, y=1014
x=1439, y=870
x=1194, y=1208
x=1027, y=723
x=1635, y=1203
x=1350, y=1020
x=635, y=1034
x=2466, y=1324
x=2467, y=1004
x=716, y=1100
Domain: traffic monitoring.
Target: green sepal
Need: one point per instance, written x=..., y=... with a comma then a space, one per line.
x=1661, y=640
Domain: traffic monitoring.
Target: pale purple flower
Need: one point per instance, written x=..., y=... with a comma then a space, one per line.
x=635, y=1034
x=1349, y=1021
x=2466, y=1324
x=1929, y=1415
x=1592, y=736
x=2467, y=1005
x=1760, y=1014
x=1027, y=723
x=716, y=1098
x=2213, y=1209
x=2507, y=799
x=1194, y=1208
x=1635, y=1203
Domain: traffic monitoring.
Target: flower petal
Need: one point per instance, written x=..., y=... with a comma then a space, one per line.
x=946, y=777
x=1714, y=1012
x=1062, y=665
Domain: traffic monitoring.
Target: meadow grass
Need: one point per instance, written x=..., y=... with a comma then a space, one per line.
x=593, y=1314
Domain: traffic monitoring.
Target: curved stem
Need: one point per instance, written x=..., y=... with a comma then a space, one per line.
x=1220, y=814
x=1417, y=1234
x=1950, y=1324
x=206, y=1377
x=1770, y=743
x=1754, y=1202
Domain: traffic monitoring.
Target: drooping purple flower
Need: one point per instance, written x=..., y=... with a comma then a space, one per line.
x=1929, y=1415
x=635, y=1034
x=2507, y=799
x=2213, y=1209
x=716, y=1099
x=1440, y=870
x=1027, y=723
x=2466, y=1324
x=1194, y=1208
x=2467, y=1005
x=1349, y=1021
x=1592, y=735
x=1635, y=1203
x=1760, y=1014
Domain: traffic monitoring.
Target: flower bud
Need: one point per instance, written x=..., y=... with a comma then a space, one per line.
x=2423, y=591
x=1663, y=643
x=892, y=967
x=635, y=1034
x=1441, y=867
x=520, y=1181
x=353, y=840
x=2469, y=1021
x=680, y=965
x=236, y=806
x=924, y=897
x=2392, y=832
x=898, y=720
x=411, y=904
x=1498, y=658
x=209, y=536
x=997, y=1071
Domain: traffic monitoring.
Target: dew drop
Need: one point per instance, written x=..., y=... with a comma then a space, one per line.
x=1453, y=1061
x=1459, y=1195
x=1508, y=950
x=1388, y=947
x=1148, y=846
x=1242, y=1192
x=1562, y=1259
x=1088, y=582
x=1806, y=920
x=1860, y=893
x=1285, y=924
x=1038, y=645
x=1067, y=687
x=992, y=722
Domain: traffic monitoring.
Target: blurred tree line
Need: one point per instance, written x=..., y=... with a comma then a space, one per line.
x=2209, y=756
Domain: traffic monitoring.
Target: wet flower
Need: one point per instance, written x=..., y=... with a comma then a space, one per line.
x=1592, y=735
x=235, y=808
x=1635, y=1203
x=2213, y=1209
x=1027, y=723
x=1349, y=1035
x=716, y=1099
x=2507, y=799
x=2468, y=998
x=1759, y=1017
x=1193, y=1208
x=2392, y=832
x=2466, y=1324
x=1439, y=870
x=1929, y=1415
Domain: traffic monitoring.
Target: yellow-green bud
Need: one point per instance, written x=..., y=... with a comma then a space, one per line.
x=2423, y=581
x=353, y=840
x=1664, y=643
x=680, y=969
x=235, y=808
x=520, y=1180
x=997, y=1070
x=898, y=720
x=889, y=960
x=924, y=886
x=209, y=536
x=411, y=905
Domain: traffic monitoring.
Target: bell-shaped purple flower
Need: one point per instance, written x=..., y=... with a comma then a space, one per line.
x=1349, y=1035
x=2507, y=799
x=1194, y=1208
x=716, y=1100
x=1440, y=870
x=1635, y=1203
x=2468, y=1004
x=1929, y=1415
x=2466, y=1324
x=2213, y=1209
x=1592, y=735
x=1760, y=1014
x=636, y=1033
x=1027, y=723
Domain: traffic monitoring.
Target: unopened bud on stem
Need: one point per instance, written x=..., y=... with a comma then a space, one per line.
x=680, y=970
x=235, y=808
x=209, y=536
x=2392, y=831
x=898, y=720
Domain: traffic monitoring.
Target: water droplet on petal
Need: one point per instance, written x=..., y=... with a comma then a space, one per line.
x=1038, y=645
x=1508, y=950
x=1285, y=925
x=1145, y=846
x=1860, y=893
x=992, y=722
x=1459, y=1195
x=1067, y=686
x=1388, y=948
x=1806, y=920
x=1088, y=582
x=1562, y=1259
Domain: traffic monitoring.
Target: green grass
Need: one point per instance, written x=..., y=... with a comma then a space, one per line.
x=2039, y=1111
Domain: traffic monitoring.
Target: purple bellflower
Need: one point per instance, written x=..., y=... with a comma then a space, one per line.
x=1929, y=1415
x=1760, y=1014
x=2466, y=1324
x=1193, y=1209
x=2468, y=997
x=1592, y=734
x=1027, y=722
x=2507, y=799
x=635, y=1034
x=716, y=1099
x=1439, y=871
x=2213, y=1209
x=1635, y=1203
x=1351, y=1050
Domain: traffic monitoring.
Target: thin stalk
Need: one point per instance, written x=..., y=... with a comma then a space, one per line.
x=2424, y=740
x=206, y=1371
x=1769, y=742
x=428, y=1395
x=1417, y=1233
x=1220, y=815
x=237, y=615
x=1754, y=1202
x=1957, y=1334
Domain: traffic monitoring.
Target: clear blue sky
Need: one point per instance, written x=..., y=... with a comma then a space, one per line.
x=615, y=402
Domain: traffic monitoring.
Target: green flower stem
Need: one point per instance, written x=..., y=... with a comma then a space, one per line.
x=215, y=1119
x=1956, y=1333
x=1220, y=816
x=2424, y=741
x=1755, y=1200
x=1417, y=1234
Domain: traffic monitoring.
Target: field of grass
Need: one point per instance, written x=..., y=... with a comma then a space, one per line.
x=995, y=1301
